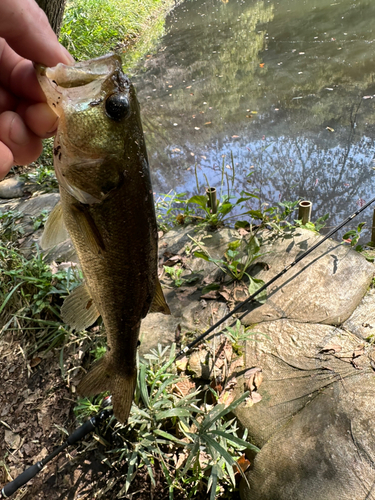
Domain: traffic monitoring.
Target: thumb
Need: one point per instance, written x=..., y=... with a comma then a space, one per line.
x=26, y=29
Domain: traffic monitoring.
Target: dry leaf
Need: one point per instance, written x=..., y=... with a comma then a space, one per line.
x=254, y=398
x=243, y=463
x=184, y=386
x=226, y=398
x=253, y=378
x=181, y=364
x=35, y=362
x=225, y=295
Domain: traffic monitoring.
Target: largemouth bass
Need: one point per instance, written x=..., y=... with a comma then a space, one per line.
x=107, y=206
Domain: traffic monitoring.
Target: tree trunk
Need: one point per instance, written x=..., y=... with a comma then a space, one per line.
x=55, y=11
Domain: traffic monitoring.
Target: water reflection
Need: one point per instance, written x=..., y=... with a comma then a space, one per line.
x=286, y=86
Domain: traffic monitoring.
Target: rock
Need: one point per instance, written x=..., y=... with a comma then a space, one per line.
x=188, y=314
x=313, y=423
x=325, y=287
x=12, y=187
x=362, y=321
x=201, y=365
x=32, y=207
x=12, y=440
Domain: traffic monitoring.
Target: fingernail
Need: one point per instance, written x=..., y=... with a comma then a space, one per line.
x=18, y=132
x=66, y=57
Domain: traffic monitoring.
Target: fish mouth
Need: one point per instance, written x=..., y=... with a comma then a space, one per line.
x=82, y=73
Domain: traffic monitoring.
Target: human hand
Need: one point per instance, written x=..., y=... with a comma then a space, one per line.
x=25, y=118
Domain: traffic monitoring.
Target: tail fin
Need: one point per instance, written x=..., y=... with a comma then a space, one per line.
x=102, y=378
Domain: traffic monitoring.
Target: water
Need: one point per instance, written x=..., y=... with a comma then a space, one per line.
x=287, y=87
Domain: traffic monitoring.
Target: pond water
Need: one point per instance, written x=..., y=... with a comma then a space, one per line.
x=287, y=87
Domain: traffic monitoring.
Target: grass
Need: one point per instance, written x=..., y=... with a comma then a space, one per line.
x=191, y=441
x=94, y=27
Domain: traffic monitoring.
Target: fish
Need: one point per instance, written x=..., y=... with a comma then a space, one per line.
x=107, y=207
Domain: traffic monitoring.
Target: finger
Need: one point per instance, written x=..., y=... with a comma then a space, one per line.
x=7, y=101
x=24, y=145
x=18, y=75
x=40, y=119
x=25, y=27
x=6, y=160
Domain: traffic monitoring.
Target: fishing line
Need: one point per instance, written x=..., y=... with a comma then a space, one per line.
x=103, y=415
x=263, y=287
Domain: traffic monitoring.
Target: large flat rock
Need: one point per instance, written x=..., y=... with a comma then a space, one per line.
x=325, y=287
x=313, y=423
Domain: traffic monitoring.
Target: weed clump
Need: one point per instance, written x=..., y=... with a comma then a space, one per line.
x=173, y=427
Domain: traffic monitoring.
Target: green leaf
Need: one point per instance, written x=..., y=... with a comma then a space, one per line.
x=320, y=223
x=173, y=412
x=256, y=214
x=232, y=253
x=235, y=440
x=213, y=482
x=220, y=411
x=201, y=255
x=199, y=200
x=250, y=195
x=254, y=285
x=172, y=378
x=211, y=286
x=131, y=464
x=234, y=244
x=223, y=453
x=9, y=296
x=241, y=223
x=350, y=233
x=143, y=385
x=169, y=436
x=192, y=454
x=253, y=246
x=225, y=208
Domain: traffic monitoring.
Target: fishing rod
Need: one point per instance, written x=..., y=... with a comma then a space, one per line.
x=94, y=422
x=272, y=280
x=76, y=436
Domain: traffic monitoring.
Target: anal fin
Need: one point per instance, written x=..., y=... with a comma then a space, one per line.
x=79, y=310
x=158, y=303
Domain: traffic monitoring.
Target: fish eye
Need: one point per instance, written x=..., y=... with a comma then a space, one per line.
x=117, y=107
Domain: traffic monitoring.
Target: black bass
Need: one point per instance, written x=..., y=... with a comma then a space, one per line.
x=107, y=206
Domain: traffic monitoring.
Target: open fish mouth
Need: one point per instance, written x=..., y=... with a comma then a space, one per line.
x=81, y=73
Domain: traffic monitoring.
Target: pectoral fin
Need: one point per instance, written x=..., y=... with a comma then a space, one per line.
x=158, y=303
x=55, y=231
x=79, y=310
x=88, y=229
